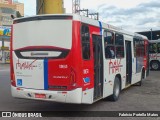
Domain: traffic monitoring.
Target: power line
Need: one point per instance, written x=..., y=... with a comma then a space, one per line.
x=76, y=9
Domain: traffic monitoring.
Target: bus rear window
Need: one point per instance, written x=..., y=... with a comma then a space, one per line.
x=158, y=47
x=56, y=34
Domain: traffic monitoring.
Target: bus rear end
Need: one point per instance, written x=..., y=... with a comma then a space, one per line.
x=42, y=59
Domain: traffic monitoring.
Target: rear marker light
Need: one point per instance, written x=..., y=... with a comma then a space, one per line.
x=13, y=83
x=74, y=84
x=18, y=88
x=73, y=78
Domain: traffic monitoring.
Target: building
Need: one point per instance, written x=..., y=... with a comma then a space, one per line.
x=7, y=8
x=152, y=35
x=20, y=8
x=6, y=1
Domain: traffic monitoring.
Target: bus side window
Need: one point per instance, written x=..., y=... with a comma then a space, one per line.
x=142, y=48
x=158, y=47
x=85, y=42
x=152, y=48
x=86, y=51
x=119, y=43
x=109, y=44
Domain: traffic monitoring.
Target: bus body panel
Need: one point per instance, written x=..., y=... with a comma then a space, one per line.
x=26, y=72
x=87, y=67
x=137, y=63
x=108, y=81
x=51, y=74
x=30, y=71
x=73, y=96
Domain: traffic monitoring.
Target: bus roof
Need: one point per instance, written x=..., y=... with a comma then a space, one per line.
x=83, y=19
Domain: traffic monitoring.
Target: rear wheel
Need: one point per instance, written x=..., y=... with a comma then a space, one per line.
x=140, y=82
x=116, y=90
x=155, y=65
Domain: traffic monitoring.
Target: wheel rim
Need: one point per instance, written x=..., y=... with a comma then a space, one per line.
x=155, y=66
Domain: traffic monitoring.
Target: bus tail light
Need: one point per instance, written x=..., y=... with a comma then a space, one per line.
x=13, y=82
x=73, y=77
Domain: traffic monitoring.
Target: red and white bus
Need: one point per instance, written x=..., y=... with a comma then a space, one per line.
x=73, y=59
x=154, y=54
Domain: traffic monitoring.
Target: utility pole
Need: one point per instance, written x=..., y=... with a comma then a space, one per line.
x=151, y=33
x=84, y=12
x=76, y=6
x=76, y=9
x=94, y=16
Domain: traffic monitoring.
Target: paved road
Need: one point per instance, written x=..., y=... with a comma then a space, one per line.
x=135, y=98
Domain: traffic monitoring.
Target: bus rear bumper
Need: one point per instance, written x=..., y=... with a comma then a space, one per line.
x=74, y=96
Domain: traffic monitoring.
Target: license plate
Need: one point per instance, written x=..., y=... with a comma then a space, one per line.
x=40, y=96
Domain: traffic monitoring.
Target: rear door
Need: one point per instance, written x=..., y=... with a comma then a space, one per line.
x=128, y=62
x=98, y=66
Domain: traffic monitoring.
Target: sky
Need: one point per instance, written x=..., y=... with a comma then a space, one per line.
x=131, y=15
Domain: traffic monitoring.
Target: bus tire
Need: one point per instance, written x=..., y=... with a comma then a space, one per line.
x=155, y=65
x=116, y=90
x=140, y=82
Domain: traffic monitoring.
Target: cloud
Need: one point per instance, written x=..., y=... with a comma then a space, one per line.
x=153, y=4
x=147, y=20
x=143, y=15
x=132, y=15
